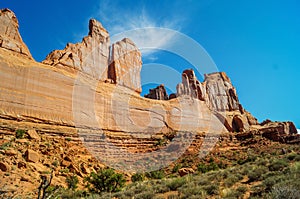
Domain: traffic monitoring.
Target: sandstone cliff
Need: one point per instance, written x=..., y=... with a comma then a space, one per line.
x=91, y=90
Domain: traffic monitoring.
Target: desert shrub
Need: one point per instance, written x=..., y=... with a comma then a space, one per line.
x=286, y=192
x=297, y=158
x=20, y=133
x=256, y=173
x=291, y=156
x=55, y=163
x=156, y=174
x=229, y=193
x=231, y=180
x=159, y=186
x=5, y=145
x=211, y=189
x=140, y=188
x=189, y=191
x=278, y=165
x=250, y=158
x=137, y=177
x=145, y=195
x=203, y=168
x=272, y=180
x=72, y=181
x=176, y=168
x=176, y=183
x=241, y=190
x=105, y=180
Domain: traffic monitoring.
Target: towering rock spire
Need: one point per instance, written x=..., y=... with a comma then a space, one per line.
x=10, y=37
x=90, y=56
x=126, y=64
x=221, y=95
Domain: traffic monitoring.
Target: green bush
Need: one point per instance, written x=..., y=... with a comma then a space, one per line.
x=211, y=189
x=241, y=190
x=137, y=177
x=232, y=179
x=176, y=168
x=106, y=180
x=291, y=156
x=72, y=182
x=156, y=174
x=174, y=184
x=145, y=195
x=191, y=190
x=203, y=168
x=256, y=173
x=278, y=165
x=20, y=133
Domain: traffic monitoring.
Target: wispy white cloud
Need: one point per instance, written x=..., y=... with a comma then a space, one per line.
x=121, y=22
x=298, y=131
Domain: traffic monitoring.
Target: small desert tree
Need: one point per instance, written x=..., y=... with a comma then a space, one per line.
x=105, y=180
x=72, y=181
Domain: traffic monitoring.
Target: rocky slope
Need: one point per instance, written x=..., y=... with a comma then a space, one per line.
x=90, y=90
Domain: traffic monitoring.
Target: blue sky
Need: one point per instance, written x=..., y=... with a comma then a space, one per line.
x=257, y=43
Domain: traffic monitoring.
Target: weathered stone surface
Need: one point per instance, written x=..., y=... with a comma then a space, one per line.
x=125, y=64
x=185, y=171
x=11, y=152
x=22, y=164
x=158, y=93
x=190, y=86
x=90, y=56
x=10, y=37
x=278, y=131
x=221, y=95
x=32, y=156
x=33, y=134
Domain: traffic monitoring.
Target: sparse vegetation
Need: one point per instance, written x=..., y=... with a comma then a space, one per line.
x=137, y=177
x=72, y=182
x=20, y=133
x=159, y=174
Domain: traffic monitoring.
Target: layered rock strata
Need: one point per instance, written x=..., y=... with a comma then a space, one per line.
x=114, y=118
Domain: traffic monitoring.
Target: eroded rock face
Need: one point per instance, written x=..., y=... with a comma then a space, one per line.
x=221, y=95
x=10, y=37
x=90, y=56
x=190, y=86
x=125, y=65
x=158, y=93
x=278, y=131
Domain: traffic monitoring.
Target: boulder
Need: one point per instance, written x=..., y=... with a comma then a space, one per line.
x=32, y=134
x=278, y=131
x=185, y=171
x=11, y=152
x=125, y=65
x=10, y=37
x=190, y=86
x=32, y=156
x=158, y=93
x=90, y=56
